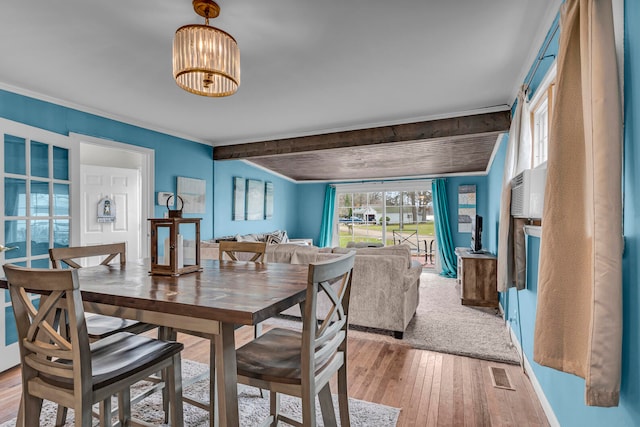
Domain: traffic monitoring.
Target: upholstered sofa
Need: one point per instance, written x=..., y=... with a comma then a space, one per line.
x=384, y=291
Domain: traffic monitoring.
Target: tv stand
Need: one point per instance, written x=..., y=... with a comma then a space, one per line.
x=477, y=278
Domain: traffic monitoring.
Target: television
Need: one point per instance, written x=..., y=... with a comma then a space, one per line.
x=476, y=234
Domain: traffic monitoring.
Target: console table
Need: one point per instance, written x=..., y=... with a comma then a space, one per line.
x=477, y=278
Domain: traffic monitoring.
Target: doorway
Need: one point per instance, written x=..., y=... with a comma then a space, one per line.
x=124, y=174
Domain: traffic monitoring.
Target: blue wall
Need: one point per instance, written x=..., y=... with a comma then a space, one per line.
x=173, y=156
x=284, y=204
x=494, y=194
x=565, y=392
x=452, y=184
x=310, y=208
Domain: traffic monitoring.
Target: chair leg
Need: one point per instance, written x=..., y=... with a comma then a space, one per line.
x=167, y=334
x=308, y=408
x=326, y=405
x=213, y=390
x=173, y=377
x=124, y=407
x=61, y=416
x=343, y=396
x=31, y=410
x=105, y=413
x=274, y=399
x=257, y=331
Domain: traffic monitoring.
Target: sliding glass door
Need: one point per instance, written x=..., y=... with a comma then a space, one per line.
x=397, y=213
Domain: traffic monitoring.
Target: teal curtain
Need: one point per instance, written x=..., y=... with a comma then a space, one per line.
x=443, y=231
x=326, y=230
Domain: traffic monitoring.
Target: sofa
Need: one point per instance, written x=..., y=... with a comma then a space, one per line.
x=385, y=287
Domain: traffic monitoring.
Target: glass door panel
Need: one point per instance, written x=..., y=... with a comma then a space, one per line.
x=35, y=204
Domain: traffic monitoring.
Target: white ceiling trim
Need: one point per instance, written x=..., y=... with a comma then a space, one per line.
x=96, y=112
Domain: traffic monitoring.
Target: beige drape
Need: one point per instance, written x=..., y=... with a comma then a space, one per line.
x=511, y=268
x=579, y=314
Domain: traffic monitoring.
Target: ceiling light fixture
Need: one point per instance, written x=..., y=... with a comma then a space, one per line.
x=206, y=60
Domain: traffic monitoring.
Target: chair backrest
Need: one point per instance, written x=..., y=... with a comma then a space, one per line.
x=230, y=250
x=44, y=352
x=70, y=256
x=323, y=338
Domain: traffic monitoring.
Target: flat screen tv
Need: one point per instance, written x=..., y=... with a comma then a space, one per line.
x=476, y=233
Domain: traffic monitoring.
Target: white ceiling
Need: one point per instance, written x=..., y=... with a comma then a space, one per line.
x=308, y=67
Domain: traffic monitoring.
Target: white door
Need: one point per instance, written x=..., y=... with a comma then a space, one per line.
x=123, y=187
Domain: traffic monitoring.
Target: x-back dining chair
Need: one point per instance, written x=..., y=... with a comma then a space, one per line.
x=100, y=326
x=71, y=371
x=228, y=250
x=302, y=363
x=252, y=251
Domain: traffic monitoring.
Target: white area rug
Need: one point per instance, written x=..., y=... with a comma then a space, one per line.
x=253, y=409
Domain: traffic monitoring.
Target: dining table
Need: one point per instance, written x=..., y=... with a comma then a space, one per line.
x=211, y=301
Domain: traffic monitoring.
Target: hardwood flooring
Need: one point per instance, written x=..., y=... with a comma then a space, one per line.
x=432, y=389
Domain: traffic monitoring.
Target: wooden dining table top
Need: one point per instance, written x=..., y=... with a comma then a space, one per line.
x=237, y=292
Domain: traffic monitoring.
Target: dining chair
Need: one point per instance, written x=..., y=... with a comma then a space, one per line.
x=301, y=363
x=101, y=326
x=251, y=251
x=71, y=371
x=228, y=250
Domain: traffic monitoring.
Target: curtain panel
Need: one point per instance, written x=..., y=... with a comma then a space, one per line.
x=326, y=228
x=579, y=313
x=511, y=269
x=446, y=251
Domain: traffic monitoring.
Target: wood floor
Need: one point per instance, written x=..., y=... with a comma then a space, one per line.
x=432, y=389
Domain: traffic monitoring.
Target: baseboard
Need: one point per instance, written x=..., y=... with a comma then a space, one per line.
x=546, y=406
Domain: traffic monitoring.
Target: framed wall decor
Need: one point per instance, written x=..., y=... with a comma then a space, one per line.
x=193, y=192
x=255, y=200
x=239, y=185
x=268, y=200
x=466, y=207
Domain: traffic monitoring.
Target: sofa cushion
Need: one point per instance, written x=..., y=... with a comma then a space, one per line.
x=291, y=253
x=401, y=250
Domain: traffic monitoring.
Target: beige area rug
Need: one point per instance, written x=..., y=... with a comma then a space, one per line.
x=444, y=325
x=253, y=408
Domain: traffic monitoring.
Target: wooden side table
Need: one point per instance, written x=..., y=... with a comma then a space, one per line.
x=477, y=278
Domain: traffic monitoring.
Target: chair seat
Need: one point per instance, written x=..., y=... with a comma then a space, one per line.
x=257, y=359
x=100, y=326
x=120, y=356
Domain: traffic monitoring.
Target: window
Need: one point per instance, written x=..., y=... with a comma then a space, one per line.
x=542, y=105
x=385, y=213
x=36, y=204
x=540, y=133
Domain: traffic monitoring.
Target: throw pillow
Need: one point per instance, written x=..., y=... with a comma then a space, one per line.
x=272, y=239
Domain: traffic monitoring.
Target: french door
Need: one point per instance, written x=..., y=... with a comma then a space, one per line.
x=35, y=206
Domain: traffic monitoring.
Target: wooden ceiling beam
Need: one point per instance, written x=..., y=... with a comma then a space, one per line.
x=443, y=128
